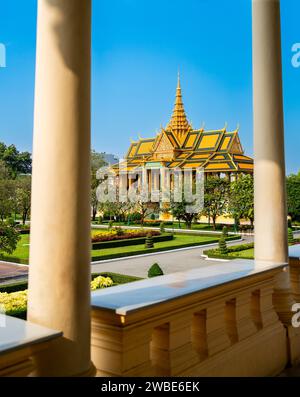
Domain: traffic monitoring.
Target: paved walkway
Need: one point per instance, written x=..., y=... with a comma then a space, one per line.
x=10, y=271
x=170, y=261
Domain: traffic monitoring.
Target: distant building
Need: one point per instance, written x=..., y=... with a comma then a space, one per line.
x=180, y=145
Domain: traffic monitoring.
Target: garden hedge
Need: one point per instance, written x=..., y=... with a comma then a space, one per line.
x=151, y=250
x=214, y=253
x=131, y=241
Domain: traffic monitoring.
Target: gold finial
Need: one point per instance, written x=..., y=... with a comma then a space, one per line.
x=225, y=126
x=140, y=136
x=202, y=126
x=238, y=127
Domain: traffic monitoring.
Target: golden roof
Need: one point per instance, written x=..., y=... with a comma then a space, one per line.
x=179, y=145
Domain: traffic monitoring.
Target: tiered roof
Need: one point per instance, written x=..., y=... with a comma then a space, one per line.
x=179, y=145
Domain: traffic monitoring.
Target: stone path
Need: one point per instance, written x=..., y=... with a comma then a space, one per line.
x=173, y=261
x=10, y=271
x=170, y=261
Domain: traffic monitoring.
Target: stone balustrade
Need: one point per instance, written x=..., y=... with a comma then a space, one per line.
x=19, y=341
x=215, y=321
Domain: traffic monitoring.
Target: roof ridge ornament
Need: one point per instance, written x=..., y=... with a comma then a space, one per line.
x=179, y=125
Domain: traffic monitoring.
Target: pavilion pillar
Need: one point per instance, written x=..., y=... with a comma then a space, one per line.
x=269, y=176
x=59, y=273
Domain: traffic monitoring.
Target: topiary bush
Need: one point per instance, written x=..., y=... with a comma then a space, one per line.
x=225, y=231
x=223, y=250
x=149, y=241
x=155, y=270
x=119, y=231
x=290, y=236
x=162, y=227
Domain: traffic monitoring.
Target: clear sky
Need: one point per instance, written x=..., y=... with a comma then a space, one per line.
x=138, y=46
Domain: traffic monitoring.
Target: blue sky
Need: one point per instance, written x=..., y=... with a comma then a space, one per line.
x=138, y=46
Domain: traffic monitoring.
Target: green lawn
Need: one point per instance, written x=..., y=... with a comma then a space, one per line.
x=246, y=254
x=177, y=242
x=21, y=254
x=175, y=225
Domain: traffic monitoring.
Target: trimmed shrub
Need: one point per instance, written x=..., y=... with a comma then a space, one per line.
x=155, y=270
x=110, y=224
x=119, y=231
x=223, y=246
x=225, y=231
x=215, y=253
x=290, y=236
x=149, y=241
x=162, y=227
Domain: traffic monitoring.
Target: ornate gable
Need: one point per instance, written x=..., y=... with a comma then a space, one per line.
x=164, y=148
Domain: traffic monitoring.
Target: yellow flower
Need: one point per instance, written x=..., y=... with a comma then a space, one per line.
x=101, y=282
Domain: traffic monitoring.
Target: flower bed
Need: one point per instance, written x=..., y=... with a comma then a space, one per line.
x=121, y=234
x=15, y=303
x=130, y=241
x=13, y=297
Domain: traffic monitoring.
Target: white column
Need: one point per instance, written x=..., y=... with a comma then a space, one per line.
x=59, y=271
x=269, y=172
x=269, y=175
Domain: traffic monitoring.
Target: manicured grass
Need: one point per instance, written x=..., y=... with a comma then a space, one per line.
x=175, y=225
x=179, y=241
x=245, y=254
x=21, y=254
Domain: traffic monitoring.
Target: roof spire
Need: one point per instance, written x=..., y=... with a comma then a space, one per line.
x=179, y=124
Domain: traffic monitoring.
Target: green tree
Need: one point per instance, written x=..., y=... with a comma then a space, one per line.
x=181, y=211
x=23, y=196
x=16, y=162
x=9, y=238
x=145, y=209
x=293, y=195
x=216, y=195
x=4, y=171
x=97, y=161
x=7, y=198
x=241, y=199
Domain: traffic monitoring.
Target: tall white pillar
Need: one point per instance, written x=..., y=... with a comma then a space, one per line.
x=269, y=162
x=269, y=174
x=59, y=271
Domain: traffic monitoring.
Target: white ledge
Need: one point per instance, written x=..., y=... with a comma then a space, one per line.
x=16, y=334
x=294, y=251
x=127, y=298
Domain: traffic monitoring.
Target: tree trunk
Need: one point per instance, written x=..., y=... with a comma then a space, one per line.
x=94, y=213
x=214, y=222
